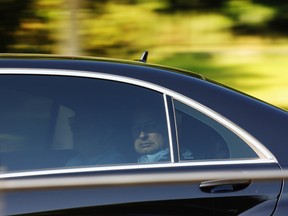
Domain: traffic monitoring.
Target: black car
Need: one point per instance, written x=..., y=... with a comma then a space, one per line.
x=92, y=136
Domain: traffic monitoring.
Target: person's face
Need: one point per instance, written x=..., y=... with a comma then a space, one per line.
x=147, y=134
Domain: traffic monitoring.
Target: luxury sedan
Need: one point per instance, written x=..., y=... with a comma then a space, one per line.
x=93, y=136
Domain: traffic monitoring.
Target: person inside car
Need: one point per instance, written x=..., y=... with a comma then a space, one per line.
x=149, y=135
x=93, y=139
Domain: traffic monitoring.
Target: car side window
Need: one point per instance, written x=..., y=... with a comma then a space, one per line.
x=202, y=138
x=66, y=122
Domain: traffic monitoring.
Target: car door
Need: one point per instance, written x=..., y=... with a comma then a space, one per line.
x=210, y=142
x=42, y=111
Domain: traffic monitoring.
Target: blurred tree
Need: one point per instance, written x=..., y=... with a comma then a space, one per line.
x=258, y=17
x=70, y=41
x=176, y=5
x=250, y=17
x=278, y=24
x=112, y=27
x=103, y=27
x=23, y=26
x=11, y=13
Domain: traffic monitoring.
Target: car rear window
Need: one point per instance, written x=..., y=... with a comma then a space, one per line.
x=202, y=138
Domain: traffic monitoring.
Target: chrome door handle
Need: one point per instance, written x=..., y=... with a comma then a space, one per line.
x=224, y=185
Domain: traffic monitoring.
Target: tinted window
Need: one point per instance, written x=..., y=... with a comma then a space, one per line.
x=202, y=138
x=55, y=121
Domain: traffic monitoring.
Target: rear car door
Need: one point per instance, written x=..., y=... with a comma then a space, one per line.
x=210, y=142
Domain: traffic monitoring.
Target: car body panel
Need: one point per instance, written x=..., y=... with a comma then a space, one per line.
x=239, y=112
x=226, y=202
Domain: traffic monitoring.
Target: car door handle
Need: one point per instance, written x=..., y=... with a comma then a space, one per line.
x=224, y=185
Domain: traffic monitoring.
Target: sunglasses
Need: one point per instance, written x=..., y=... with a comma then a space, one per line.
x=150, y=127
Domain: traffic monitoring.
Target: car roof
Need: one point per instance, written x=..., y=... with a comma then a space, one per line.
x=7, y=57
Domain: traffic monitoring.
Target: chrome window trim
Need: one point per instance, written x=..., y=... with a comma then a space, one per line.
x=138, y=179
x=259, y=148
x=131, y=167
x=169, y=128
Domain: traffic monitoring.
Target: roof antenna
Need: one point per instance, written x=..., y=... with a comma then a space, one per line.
x=144, y=57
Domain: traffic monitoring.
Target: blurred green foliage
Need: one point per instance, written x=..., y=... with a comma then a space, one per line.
x=263, y=75
x=124, y=27
x=241, y=43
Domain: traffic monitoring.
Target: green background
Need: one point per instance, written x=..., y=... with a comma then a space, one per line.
x=240, y=43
